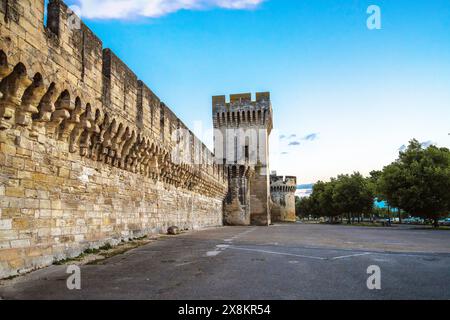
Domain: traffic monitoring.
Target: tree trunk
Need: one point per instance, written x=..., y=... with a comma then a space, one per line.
x=400, y=216
x=349, y=221
x=389, y=214
x=435, y=223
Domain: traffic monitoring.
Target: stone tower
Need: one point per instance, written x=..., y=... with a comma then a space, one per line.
x=283, y=198
x=241, y=139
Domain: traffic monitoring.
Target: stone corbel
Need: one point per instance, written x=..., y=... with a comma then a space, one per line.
x=12, y=88
x=83, y=126
x=30, y=102
x=119, y=152
x=107, y=138
x=133, y=154
x=142, y=156
x=86, y=135
x=70, y=124
x=115, y=142
x=45, y=109
x=126, y=150
x=94, y=136
x=154, y=167
x=64, y=106
x=145, y=163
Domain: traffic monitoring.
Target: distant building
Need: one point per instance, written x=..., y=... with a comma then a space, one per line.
x=282, y=191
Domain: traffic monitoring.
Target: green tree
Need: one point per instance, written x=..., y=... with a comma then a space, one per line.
x=418, y=182
x=373, y=183
x=298, y=212
x=353, y=195
x=304, y=207
x=374, y=186
x=322, y=198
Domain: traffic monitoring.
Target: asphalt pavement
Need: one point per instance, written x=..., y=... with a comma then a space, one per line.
x=286, y=261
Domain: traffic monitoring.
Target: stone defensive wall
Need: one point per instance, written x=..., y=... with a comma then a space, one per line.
x=86, y=148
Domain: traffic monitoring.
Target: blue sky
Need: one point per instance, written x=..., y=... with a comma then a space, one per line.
x=346, y=98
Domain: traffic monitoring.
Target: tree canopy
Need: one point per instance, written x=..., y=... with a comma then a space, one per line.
x=346, y=194
x=418, y=182
x=353, y=195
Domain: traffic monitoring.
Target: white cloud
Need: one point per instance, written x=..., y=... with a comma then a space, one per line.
x=123, y=9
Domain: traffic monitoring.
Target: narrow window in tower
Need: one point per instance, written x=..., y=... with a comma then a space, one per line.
x=242, y=190
x=235, y=149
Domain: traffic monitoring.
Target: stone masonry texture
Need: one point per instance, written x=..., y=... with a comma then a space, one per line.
x=242, y=129
x=85, y=146
x=87, y=149
x=282, y=191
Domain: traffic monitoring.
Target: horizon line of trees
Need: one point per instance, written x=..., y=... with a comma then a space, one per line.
x=417, y=183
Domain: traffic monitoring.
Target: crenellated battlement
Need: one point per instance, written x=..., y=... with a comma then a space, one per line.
x=241, y=100
x=283, y=184
x=282, y=190
x=242, y=111
x=78, y=69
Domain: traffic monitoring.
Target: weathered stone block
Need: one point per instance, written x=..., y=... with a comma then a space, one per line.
x=20, y=243
x=6, y=224
x=10, y=254
x=7, y=149
x=16, y=263
x=17, y=192
x=21, y=223
x=63, y=172
x=4, y=245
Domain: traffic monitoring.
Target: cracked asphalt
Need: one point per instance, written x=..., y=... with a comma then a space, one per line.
x=285, y=261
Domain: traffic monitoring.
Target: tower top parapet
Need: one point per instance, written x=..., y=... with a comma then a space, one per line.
x=238, y=100
x=280, y=181
x=242, y=110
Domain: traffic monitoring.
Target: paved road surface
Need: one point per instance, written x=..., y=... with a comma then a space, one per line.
x=281, y=262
